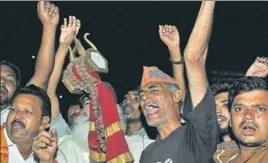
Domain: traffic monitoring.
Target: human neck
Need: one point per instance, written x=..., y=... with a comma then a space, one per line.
x=133, y=127
x=226, y=138
x=25, y=148
x=245, y=153
x=167, y=128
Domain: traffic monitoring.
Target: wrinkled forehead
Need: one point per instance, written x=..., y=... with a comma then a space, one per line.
x=151, y=85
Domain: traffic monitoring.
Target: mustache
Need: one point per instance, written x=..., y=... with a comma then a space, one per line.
x=20, y=121
x=4, y=88
x=74, y=115
x=220, y=116
x=249, y=123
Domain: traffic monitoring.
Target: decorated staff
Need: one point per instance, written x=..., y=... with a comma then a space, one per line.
x=106, y=137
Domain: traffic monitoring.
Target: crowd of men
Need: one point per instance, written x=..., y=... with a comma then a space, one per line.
x=221, y=120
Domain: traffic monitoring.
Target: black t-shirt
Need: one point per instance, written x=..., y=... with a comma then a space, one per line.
x=195, y=142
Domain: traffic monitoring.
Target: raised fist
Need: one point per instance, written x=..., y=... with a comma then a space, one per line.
x=169, y=35
x=48, y=13
x=259, y=68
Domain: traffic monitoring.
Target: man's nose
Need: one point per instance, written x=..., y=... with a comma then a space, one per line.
x=18, y=114
x=77, y=110
x=3, y=82
x=249, y=114
x=219, y=111
x=144, y=96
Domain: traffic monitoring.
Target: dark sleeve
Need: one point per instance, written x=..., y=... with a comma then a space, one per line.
x=201, y=126
x=142, y=158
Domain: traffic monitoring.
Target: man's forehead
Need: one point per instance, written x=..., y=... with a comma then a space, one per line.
x=151, y=84
x=7, y=70
x=252, y=97
x=26, y=99
x=222, y=96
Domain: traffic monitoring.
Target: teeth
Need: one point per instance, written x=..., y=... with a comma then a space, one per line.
x=151, y=110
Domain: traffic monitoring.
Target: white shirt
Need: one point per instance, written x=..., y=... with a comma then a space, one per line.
x=69, y=152
x=4, y=114
x=137, y=144
x=14, y=155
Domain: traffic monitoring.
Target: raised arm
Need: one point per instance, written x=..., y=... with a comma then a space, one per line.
x=49, y=16
x=171, y=38
x=196, y=51
x=68, y=31
x=259, y=68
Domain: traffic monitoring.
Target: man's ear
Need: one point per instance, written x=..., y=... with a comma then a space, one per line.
x=177, y=95
x=45, y=122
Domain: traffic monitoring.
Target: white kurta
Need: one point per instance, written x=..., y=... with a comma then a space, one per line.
x=137, y=144
x=69, y=151
x=14, y=155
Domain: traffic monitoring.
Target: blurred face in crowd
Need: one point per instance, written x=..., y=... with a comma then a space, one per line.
x=79, y=121
x=8, y=84
x=25, y=118
x=158, y=103
x=73, y=112
x=249, y=117
x=131, y=105
x=223, y=115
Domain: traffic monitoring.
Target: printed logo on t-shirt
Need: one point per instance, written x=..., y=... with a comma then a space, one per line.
x=167, y=161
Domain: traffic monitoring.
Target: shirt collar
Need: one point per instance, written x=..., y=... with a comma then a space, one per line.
x=141, y=132
x=6, y=109
x=9, y=142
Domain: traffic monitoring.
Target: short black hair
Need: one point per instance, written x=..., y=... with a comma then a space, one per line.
x=246, y=84
x=221, y=81
x=15, y=69
x=220, y=86
x=38, y=92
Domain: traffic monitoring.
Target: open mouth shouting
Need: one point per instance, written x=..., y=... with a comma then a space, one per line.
x=248, y=129
x=17, y=124
x=150, y=108
x=3, y=91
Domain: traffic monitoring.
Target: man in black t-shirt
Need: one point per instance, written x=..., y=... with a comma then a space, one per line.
x=196, y=141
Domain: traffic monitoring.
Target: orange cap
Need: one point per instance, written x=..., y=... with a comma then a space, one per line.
x=153, y=74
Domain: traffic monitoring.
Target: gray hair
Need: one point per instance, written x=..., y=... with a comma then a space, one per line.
x=172, y=87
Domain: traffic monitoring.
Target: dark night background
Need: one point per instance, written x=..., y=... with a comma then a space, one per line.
x=126, y=33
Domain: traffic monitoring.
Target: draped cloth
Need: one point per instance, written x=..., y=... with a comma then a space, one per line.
x=4, y=147
x=106, y=138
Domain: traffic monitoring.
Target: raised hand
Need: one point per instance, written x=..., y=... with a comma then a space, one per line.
x=259, y=68
x=69, y=30
x=48, y=13
x=169, y=35
x=45, y=145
